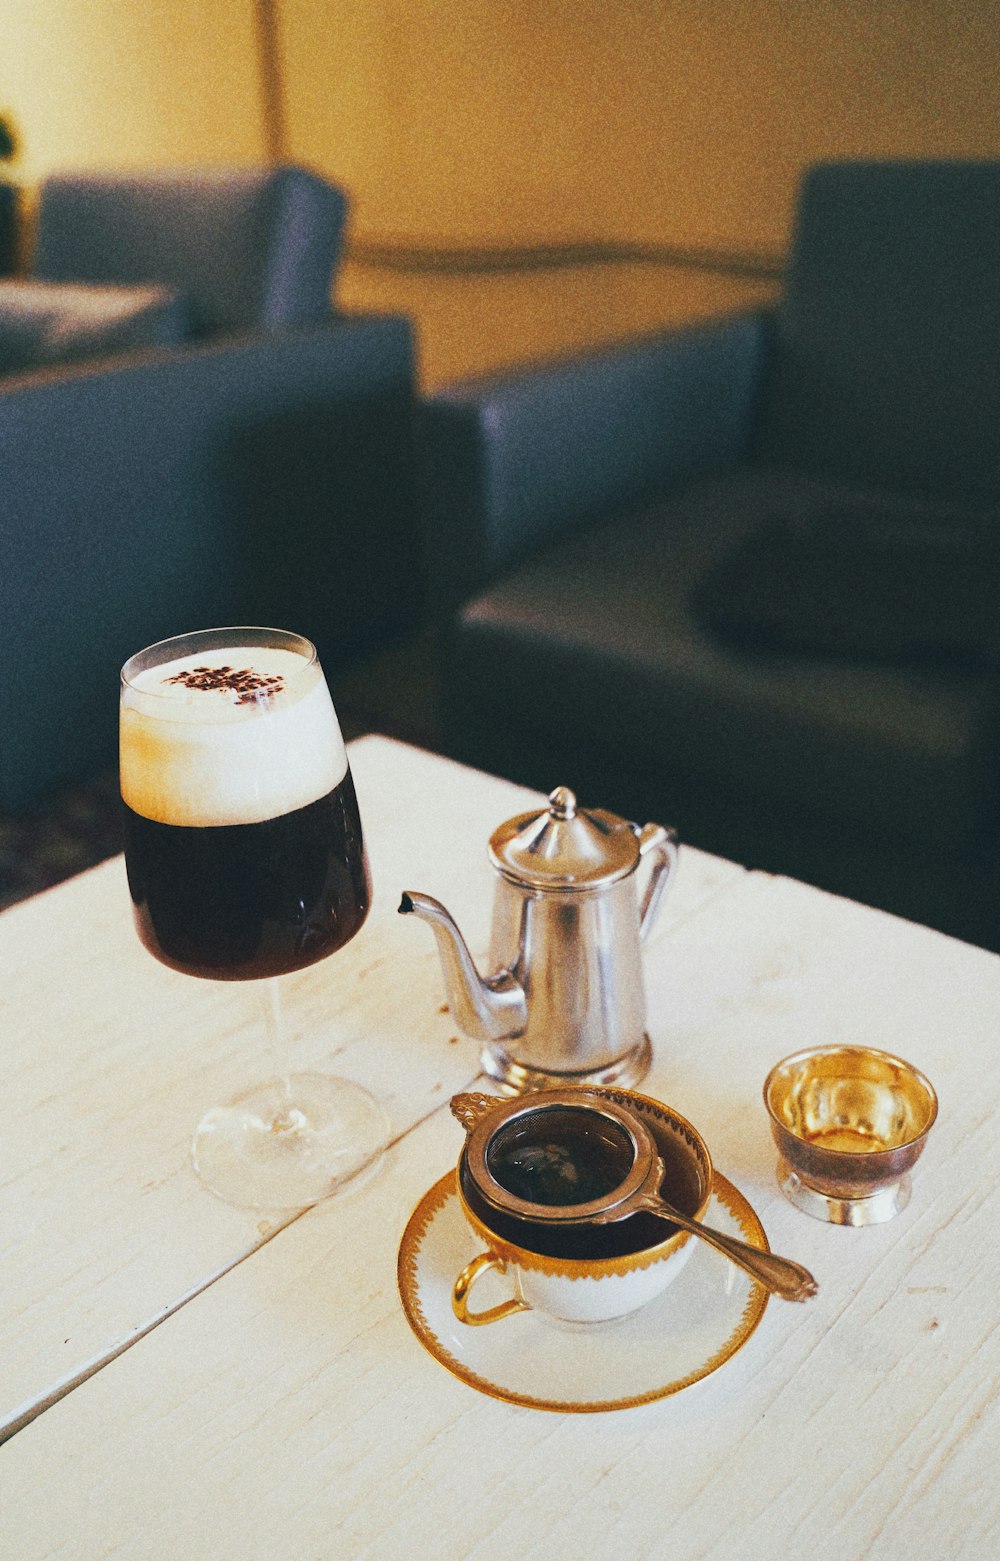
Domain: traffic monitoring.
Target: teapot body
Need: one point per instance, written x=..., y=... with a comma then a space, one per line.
x=564, y=1002
x=577, y=957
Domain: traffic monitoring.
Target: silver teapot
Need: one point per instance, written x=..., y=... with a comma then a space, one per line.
x=565, y=1003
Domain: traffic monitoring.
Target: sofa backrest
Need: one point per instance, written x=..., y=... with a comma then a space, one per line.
x=885, y=365
x=249, y=247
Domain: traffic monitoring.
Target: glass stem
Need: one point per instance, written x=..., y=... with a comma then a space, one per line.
x=269, y=992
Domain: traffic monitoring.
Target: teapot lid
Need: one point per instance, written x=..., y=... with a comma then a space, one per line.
x=564, y=847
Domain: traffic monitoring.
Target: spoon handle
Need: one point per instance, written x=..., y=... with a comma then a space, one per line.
x=780, y=1275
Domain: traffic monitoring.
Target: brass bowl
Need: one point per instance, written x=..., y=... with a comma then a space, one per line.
x=849, y=1123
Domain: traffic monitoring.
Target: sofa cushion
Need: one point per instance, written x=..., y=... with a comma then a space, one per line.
x=43, y=323
x=902, y=581
x=250, y=246
x=597, y=640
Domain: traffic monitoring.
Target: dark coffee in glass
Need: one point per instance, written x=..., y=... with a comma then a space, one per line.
x=239, y=901
x=246, y=861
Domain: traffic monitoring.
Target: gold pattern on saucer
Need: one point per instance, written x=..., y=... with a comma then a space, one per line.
x=440, y=1205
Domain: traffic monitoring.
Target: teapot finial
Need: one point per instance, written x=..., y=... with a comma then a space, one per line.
x=562, y=802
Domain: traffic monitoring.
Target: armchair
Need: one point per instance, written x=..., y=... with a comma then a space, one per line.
x=261, y=472
x=573, y=511
x=248, y=248
x=127, y=261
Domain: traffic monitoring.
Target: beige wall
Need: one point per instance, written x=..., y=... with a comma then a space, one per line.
x=673, y=120
x=118, y=83
x=496, y=120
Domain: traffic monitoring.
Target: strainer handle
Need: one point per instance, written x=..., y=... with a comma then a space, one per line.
x=780, y=1275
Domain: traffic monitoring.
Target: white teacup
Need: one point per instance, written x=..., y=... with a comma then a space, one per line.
x=591, y=1288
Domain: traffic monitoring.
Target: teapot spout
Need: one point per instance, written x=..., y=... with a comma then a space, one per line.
x=491, y=1008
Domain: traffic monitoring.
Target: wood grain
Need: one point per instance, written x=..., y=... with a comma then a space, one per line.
x=109, y=1060
x=287, y=1410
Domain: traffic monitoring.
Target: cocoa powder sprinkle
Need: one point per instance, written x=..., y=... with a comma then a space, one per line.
x=243, y=682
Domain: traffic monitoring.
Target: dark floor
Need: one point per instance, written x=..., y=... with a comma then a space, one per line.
x=393, y=694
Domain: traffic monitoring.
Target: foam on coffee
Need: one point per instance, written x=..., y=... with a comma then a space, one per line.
x=231, y=735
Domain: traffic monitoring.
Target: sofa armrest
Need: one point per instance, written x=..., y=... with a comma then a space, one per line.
x=511, y=463
x=265, y=480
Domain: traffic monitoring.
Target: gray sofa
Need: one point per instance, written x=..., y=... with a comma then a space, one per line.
x=586, y=519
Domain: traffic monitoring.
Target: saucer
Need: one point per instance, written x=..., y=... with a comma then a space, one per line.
x=693, y=1328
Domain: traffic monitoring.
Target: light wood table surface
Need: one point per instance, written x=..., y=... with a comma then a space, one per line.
x=254, y=1388
x=110, y=1060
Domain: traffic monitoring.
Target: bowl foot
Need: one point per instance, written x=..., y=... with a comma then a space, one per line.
x=874, y=1209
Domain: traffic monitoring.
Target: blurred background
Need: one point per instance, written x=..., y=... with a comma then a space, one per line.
x=524, y=177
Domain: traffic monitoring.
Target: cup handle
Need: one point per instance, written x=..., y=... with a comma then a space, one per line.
x=662, y=843
x=464, y=1283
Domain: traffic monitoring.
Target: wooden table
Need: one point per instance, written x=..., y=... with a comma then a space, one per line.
x=186, y=1379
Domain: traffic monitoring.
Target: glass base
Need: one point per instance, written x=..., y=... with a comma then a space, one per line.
x=874, y=1209
x=290, y=1142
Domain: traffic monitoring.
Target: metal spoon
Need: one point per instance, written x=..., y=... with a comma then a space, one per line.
x=780, y=1275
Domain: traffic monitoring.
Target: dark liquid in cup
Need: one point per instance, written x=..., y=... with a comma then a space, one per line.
x=560, y=1156
x=234, y=902
x=605, y=1161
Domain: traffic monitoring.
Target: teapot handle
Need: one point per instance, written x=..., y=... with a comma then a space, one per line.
x=662, y=843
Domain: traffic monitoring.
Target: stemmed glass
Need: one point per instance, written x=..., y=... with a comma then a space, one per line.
x=246, y=860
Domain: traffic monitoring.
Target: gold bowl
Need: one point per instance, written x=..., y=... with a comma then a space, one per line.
x=849, y=1123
